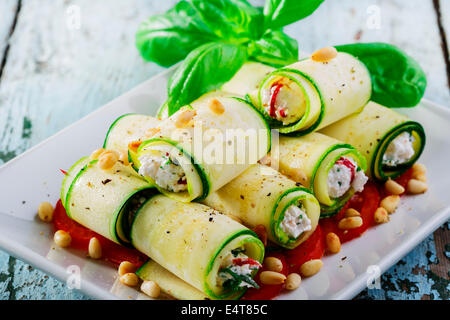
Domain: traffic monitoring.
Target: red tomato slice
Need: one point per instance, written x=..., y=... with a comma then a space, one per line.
x=267, y=291
x=81, y=235
x=366, y=203
x=312, y=248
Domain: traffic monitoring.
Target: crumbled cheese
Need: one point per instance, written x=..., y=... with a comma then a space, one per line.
x=340, y=179
x=166, y=172
x=295, y=222
x=400, y=150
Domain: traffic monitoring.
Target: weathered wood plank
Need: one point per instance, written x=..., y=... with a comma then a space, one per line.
x=8, y=9
x=411, y=25
x=444, y=6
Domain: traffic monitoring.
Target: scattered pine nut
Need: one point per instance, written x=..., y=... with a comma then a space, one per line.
x=96, y=154
x=350, y=223
x=415, y=186
x=419, y=168
x=390, y=203
x=126, y=267
x=311, y=267
x=95, y=248
x=393, y=187
x=184, y=118
x=324, y=54
x=420, y=176
x=107, y=160
x=62, y=238
x=273, y=264
x=151, y=288
x=352, y=213
x=129, y=279
x=381, y=215
x=272, y=277
x=45, y=211
x=333, y=242
x=216, y=106
x=293, y=281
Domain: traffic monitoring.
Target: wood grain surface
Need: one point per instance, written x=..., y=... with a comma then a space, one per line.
x=62, y=59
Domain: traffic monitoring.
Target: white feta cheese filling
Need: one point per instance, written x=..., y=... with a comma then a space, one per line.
x=340, y=179
x=166, y=172
x=400, y=150
x=295, y=222
x=240, y=270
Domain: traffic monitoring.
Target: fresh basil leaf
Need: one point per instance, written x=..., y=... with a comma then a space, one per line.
x=280, y=13
x=204, y=69
x=275, y=48
x=168, y=38
x=234, y=20
x=397, y=79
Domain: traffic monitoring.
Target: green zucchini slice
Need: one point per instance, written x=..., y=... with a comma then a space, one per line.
x=212, y=149
x=308, y=160
x=371, y=132
x=191, y=241
x=102, y=200
x=261, y=196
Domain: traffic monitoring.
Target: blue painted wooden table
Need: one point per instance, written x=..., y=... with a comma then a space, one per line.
x=62, y=59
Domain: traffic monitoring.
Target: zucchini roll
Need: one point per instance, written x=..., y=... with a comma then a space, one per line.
x=332, y=170
x=203, y=146
x=389, y=141
x=201, y=246
x=263, y=196
x=307, y=95
x=102, y=200
x=127, y=128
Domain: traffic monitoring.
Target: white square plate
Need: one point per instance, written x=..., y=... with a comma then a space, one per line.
x=34, y=177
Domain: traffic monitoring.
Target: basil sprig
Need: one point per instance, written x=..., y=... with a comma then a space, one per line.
x=398, y=81
x=215, y=38
x=234, y=283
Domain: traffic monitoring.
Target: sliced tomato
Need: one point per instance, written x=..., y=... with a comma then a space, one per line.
x=366, y=203
x=267, y=291
x=312, y=248
x=81, y=236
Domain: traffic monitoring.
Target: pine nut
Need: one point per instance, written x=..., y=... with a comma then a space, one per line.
x=293, y=281
x=272, y=277
x=311, y=267
x=184, y=118
x=324, y=54
x=381, y=215
x=129, y=279
x=126, y=267
x=45, y=211
x=416, y=186
x=350, y=223
x=420, y=176
x=216, y=106
x=393, y=187
x=96, y=154
x=151, y=289
x=62, y=238
x=107, y=160
x=333, y=242
x=273, y=264
x=419, y=168
x=390, y=203
x=95, y=248
x=352, y=213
